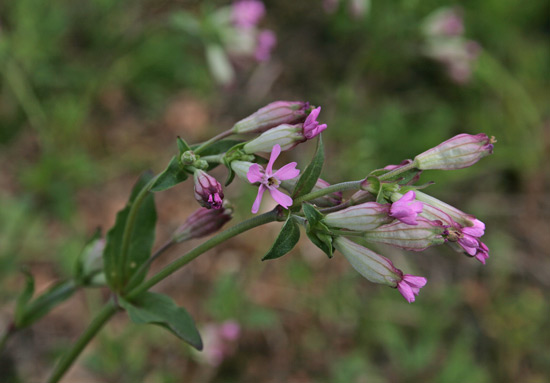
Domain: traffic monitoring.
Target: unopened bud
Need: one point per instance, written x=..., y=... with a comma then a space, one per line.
x=416, y=238
x=458, y=152
x=188, y=158
x=241, y=168
x=363, y=217
x=208, y=191
x=91, y=263
x=286, y=136
x=203, y=222
x=271, y=115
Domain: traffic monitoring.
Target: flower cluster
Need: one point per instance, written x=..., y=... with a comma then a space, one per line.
x=444, y=42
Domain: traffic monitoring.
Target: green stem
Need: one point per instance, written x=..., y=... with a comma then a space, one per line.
x=130, y=221
x=329, y=189
x=206, y=144
x=168, y=244
x=333, y=209
x=397, y=171
x=97, y=323
x=218, y=158
x=212, y=242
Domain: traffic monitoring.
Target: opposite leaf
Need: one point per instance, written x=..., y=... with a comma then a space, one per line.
x=162, y=310
x=286, y=240
x=171, y=176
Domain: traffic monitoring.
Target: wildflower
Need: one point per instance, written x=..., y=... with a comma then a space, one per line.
x=219, y=342
x=287, y=136
x=271, y=115
x=457, y=215
x=363, y=217
x=271, y=180
x=458, y=152
x=406, y=209
x=247, y=13
x=203, y=222
x=208, y=191
x=266, y=42
x=311, y=126
x=379, y=269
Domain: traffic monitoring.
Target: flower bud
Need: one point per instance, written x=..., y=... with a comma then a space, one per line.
x=367, y=216
x=379, y=269
x=271, y=115
x=203, y=222
x=406, y=209
x=312, y=128
x=286, y=136
x=457, y=215
x=416, y=238
x=327, y=200
x=241, y=168
x=208, y=191
x=90, y=268
x=458, y=152
x=188, y=158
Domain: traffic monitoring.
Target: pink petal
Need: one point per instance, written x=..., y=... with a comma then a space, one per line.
x=254, y=174
x=274, y=154
x=414, y=280
x=475, y=231
x=313, y=116
x=406, y=291
x=256, y=205
x=281, y=198
x=408, y=196
x=287, y=172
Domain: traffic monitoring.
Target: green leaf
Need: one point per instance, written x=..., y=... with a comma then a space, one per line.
x=312, y=215
x=286, y=240
x=182, y=146
x=161, y=310
x=24, y=297
x=171, y=176
x=42, y=305
x=88, y=247
x=141, y=238
x=309, y=177
x=318, y=234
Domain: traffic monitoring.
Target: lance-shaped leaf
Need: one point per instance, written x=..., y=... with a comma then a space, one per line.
x=161, y=310
x=171, y=176
x=286, y=240
x=141, y=237
x=309, y=177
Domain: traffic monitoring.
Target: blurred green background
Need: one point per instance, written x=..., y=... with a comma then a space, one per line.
x=93, y=92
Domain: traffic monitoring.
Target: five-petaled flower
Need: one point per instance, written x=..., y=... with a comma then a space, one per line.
x=270, y=180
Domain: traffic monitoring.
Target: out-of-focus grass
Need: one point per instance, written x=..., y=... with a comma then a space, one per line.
x=93, y=92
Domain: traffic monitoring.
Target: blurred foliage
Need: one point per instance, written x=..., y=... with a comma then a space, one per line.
x=92, y=92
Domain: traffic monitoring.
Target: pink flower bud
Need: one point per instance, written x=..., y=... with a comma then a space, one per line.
x=328, y=200
x=312, y=128
x=379, y=269
x=271, y=115
x=446, y=22
x=286, y=136
x=266, y=42
x=458, y=152
x=203, y=222
x=208, y=191
x=406, y=209
x=416, y=238
x=247, y=13
x=363, y=217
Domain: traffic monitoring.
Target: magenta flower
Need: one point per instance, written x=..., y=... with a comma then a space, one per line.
x=247, y=13
x=410, y=285
x=471, y=244
x=266, y=42
x=208, y=191
x=271, y=181
x=311, y=126
x=406, y=209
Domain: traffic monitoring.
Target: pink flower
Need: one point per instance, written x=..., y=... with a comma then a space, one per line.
x=247, y=13
x=471, y=244
x=272, y=180
x=266, y=42
x=208, y=191
x=311, y=125
x=230, y=330
x=406, y=209
x=410, y=285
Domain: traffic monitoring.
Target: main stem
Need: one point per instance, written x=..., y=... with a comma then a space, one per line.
x=205, y=144
x=110, y=308
x=329, y=189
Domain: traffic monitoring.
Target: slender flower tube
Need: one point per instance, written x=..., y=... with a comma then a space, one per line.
x=208, y=191
x=328, y=200
x=203, y=222
x=458, y=152
x=271, y=180
x=287, y=136
x=247, y=13
x=406, y=208
x=379, y=269
x=363, y=217
x=416, y=238
x=271, y=115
